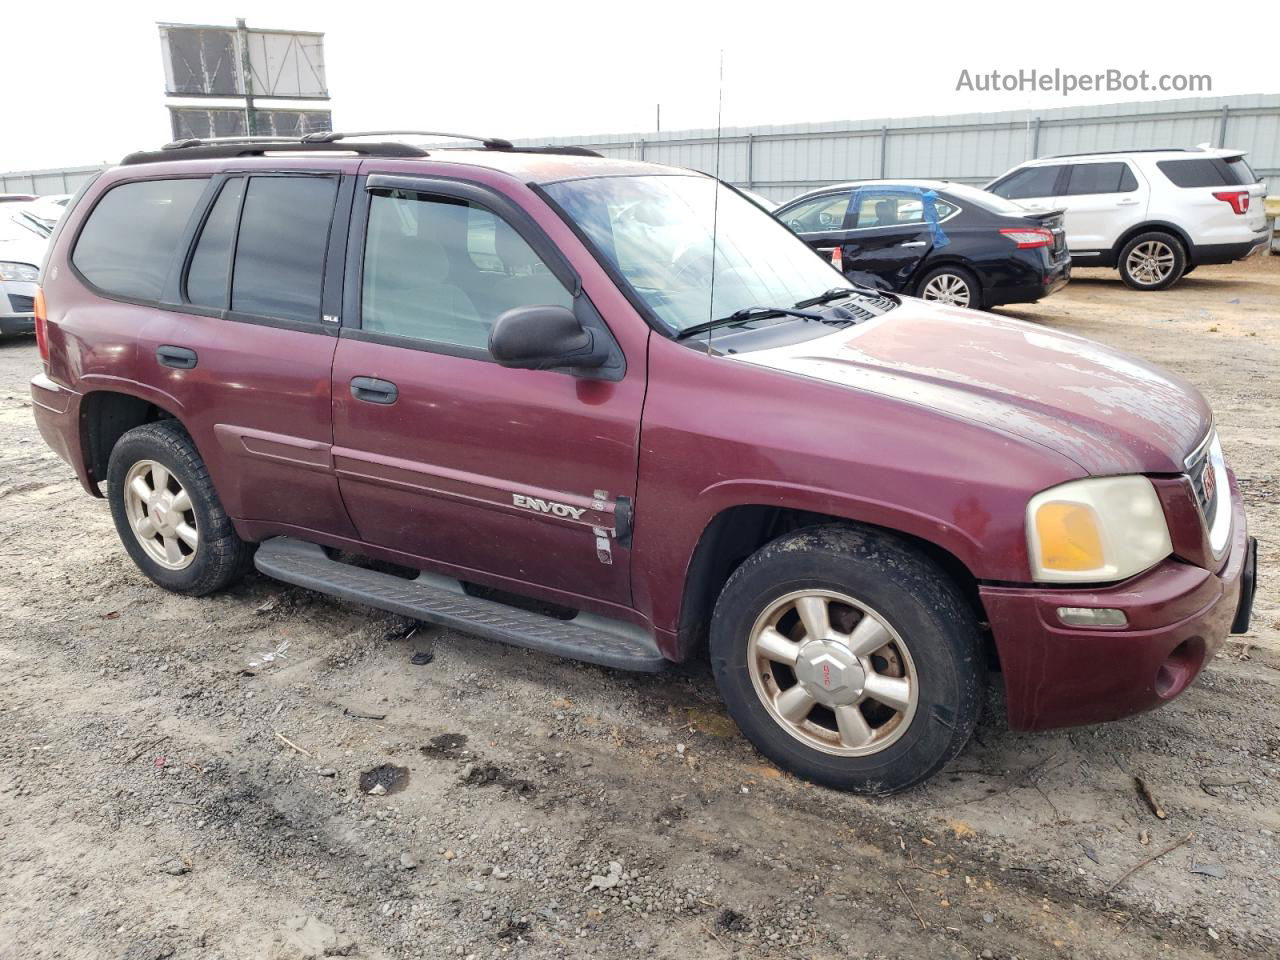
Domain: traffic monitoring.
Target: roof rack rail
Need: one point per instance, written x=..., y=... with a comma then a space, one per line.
x=332, y=136
x=230, y=147
x=1103, y=153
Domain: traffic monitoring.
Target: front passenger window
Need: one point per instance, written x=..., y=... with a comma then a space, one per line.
x=443, y=270
x=820, y=213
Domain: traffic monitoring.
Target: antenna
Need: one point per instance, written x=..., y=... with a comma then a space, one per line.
x=715, y=203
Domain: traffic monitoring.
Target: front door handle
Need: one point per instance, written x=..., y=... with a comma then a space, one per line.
x=180, y=358
x=372, y=390
x=915, y=243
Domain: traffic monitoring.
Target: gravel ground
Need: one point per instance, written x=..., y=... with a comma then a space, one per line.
x=268, y=774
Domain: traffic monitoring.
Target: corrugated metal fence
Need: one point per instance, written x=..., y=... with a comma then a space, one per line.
x=782, y=161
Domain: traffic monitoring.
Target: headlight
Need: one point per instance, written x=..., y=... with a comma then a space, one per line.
x=1096, y=530
x=18, y=271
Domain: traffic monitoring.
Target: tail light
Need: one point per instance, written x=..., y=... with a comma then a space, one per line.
x=42, y=326
x=837, y=259
x=1028, y=238
x=1239, y=200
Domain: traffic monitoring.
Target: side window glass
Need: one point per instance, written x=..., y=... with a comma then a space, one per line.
x=820, y=213
x=944, y=208
x=284, y=234
x=443, y=270
x=1111, y=177
x=888, y=209
x=129, y=242
x=210, y=270
x=1028, y=182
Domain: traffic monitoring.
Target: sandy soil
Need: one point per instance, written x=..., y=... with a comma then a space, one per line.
x=182, y=778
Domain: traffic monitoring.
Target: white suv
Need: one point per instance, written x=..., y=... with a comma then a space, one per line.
x=1154, y=214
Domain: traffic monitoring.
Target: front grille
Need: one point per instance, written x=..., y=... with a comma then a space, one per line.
x=1209, y=486
x=21, y=304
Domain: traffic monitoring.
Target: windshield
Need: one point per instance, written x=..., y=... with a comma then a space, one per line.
x=657, y=231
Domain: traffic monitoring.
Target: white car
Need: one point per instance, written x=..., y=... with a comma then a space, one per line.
x=1153, y=214
x=22, y=247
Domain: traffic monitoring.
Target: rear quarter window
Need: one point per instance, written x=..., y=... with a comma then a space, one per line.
x=1208, y=172
x=131, y=237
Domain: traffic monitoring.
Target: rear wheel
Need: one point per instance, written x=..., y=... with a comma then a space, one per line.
x=1152, y=261
x=168, y=515
x=849, y=659
x=954, y=286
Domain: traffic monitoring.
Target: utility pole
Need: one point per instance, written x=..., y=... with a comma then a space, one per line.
x=250, y=116
x=659, y=118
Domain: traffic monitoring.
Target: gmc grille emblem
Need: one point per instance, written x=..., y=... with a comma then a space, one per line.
x=539, y=505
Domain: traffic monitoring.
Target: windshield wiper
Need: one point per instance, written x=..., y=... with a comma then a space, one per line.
x=747, y=313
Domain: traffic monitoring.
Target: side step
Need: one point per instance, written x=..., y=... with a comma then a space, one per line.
x=437, y=599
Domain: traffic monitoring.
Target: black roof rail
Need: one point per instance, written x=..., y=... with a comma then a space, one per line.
x=489, y=143
x=214, y=148
x=332, y=136
x=229, y=147
x=1102, y=153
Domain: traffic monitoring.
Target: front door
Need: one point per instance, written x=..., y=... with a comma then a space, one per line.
x=819, y=222
x=508, y=477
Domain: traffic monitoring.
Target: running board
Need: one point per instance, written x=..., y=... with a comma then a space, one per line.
x=437, y=599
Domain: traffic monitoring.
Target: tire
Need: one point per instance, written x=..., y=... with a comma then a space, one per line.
x=951, y=285
x=163, y=458
x=1154, y=260
x=933, y=643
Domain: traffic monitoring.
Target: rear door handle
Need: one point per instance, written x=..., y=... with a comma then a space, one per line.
x=180, y=358
x=372, y=390
x=914, y=243
x=1127, y=202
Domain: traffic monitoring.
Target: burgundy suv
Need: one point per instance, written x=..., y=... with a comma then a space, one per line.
x=615, y=411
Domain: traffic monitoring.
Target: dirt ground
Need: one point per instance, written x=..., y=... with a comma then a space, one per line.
x=183, y=778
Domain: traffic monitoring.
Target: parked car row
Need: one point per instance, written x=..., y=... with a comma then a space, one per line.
x=1153, y=214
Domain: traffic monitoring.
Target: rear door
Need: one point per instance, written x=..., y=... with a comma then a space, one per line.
x=520, y=479
x=888, y=236
x=1102, y=200
x=243, y=348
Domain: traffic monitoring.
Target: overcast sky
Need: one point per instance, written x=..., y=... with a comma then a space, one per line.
x=83, y=85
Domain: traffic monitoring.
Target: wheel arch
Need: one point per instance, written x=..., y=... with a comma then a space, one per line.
x=735, y=532
x=1148, y=226
x=107, y=414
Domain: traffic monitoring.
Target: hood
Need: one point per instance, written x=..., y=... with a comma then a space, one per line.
x=1108, y=412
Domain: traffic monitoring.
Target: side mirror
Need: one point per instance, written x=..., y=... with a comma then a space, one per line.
x=543, y=338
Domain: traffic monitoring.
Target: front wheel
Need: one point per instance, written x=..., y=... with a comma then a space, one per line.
x=849, y=659
x=168, y=514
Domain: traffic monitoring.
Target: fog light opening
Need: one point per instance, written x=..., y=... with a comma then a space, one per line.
x=1179, y=668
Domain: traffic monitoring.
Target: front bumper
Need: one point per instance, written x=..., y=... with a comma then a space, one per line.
x=1178, y=617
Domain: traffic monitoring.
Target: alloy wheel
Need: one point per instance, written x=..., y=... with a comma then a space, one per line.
x=1150, y=262
x=947, y=288
x=833, y=672
x=160, y=514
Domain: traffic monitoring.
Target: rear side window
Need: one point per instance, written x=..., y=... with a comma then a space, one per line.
x=443, y=270
x=280, y=252
x=129, y=241
x=1208, y=172
x=1028, y=182
x=1112, y=177
x=211, y=263
x=888, y=210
